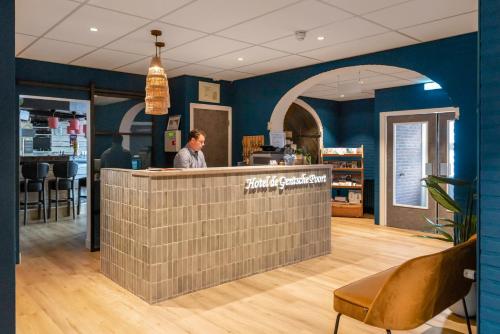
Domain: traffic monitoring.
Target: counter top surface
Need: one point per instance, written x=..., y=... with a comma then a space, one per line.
x=158, y=172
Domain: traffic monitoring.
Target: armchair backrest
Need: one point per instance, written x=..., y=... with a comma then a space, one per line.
x=423, y=287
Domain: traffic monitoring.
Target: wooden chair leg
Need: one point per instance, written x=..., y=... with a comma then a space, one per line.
x=388, y=331
x=68, y=202
x=469, y=329
x=39, y=205
x=337, y=323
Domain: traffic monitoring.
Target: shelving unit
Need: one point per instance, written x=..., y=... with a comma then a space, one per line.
x=347, y=177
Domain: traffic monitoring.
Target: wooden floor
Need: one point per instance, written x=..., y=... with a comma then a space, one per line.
x=60, y=289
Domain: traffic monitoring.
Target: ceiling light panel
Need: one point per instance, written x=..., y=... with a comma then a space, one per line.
x=140, y=41
x=458, y=25
x=142, y=66
x=106, y=59
x=365, y=45
x=55, y=51
x=151, y=9
x=304, y=15
x=111, y=26
x=35, y=17
x=23, y=41
x=363, y=6
x=338, y=32
x=421, y=11
x=213, y=15
x=249, y=56
x=279, y=64
x=204, y=48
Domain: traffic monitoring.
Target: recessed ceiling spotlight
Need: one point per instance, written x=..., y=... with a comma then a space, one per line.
x=320, y=38
x=342, y=95
x=361, y=82
x=240, y=58
x=94, y=29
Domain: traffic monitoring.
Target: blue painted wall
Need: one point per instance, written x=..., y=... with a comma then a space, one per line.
x=356, y=120
x=8, y=147
x=328, y=112
x=450, y=62
x=489, y=162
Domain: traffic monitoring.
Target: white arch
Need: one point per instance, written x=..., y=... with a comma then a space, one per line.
x=126, y=123
x=313, y=113
x=278, y=115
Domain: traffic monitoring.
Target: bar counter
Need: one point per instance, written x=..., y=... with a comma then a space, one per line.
x=168, y=233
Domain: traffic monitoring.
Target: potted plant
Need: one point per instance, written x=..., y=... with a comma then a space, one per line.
x=456, y=230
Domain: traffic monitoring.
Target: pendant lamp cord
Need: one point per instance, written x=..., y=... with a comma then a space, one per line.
x=156, y=46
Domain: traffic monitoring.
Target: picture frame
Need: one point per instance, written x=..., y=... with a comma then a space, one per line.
x=173, y=122
x=208, y=92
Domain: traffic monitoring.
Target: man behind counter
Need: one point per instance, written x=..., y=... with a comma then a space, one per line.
x=191, y=155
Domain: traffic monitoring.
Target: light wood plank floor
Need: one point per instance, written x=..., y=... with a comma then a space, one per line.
x=60, y=289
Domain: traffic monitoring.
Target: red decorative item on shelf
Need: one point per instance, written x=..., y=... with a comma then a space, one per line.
x=70, y=131
x=84, y=129
x=53, y=122
x=74, y=124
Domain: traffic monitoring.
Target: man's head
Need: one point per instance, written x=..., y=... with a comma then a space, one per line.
x=196, y=140
x=117, y=139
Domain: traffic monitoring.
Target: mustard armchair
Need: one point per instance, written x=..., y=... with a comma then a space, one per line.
x=406, y=296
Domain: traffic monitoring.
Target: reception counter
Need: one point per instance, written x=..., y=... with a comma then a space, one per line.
x=165, y=233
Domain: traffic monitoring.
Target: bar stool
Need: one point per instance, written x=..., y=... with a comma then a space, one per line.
x=34, y=175
x=82, y=183
x=65, y=173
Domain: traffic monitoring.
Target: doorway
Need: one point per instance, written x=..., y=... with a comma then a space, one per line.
x=415, y=145
x=303, y=131
x=216, y=122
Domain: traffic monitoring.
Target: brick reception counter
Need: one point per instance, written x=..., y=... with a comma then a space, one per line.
x=170, y=232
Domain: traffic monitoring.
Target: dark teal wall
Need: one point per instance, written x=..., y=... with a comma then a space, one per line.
x=356, y=120
x=489, y=162
x=183, y=92
x=328, y=112
x=8, y=147
x=451, y=62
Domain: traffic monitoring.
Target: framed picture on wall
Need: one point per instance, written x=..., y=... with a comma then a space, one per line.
x=173, y=122
x=208, y=92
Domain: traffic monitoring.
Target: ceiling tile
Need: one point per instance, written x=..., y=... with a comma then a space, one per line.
x=393, y=83
x=111, y=25
x=363, y=6
x=407, y=74
x=203, y=48
x=106, y=59
x=23, y=41
x=213, y=15
x=279, y=64
x=421, y=11
x=151, y=9
x=305, y=15
x=35, y=17
x=338, y=32
x=384, y=69
x=361, y=46
x=249, y=56
x=321, y=88
x=55, y=51
x=230, y=75
x=194, y=70
x=141, y=41
x=141, y=67
x=378, y=79
x=452, y=26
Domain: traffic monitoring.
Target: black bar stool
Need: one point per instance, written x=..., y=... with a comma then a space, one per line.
x=34, y=175
x=65, y=173
x=82, y=183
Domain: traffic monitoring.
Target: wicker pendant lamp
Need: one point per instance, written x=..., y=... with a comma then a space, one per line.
x=157, y=94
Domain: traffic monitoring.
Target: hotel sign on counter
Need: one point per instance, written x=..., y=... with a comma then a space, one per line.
x=281, y=182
